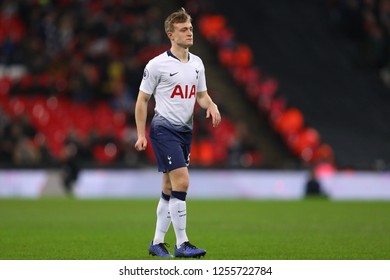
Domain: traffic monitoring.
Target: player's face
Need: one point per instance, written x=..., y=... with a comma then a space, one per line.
x=183, y=34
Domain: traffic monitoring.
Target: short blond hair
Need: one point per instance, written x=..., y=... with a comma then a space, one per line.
x=179, y=16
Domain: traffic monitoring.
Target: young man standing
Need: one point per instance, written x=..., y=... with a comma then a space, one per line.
x=176, y=78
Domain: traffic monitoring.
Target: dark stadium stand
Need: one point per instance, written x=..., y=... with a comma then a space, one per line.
x=324, y=59
x=70, y=71
x=261, y=92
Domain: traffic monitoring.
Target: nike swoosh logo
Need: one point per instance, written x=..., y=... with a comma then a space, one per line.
x=173, y=74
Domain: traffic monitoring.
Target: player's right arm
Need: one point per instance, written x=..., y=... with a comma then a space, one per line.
x=141, y=111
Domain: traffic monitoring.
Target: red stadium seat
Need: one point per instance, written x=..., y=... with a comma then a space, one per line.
x=304, y=143
x=106, y=153
x=246, y=75
x=5, y=85
x=16, y=106
x=243, y=56
x=226, y=57
x=211, y=25
x=323, y=153
x=290, y=122
x=206, y=152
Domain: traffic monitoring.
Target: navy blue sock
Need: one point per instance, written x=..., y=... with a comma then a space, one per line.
x=165, y=196
x=179, y=195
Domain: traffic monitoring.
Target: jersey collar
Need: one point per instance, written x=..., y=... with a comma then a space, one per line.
x=169, y=53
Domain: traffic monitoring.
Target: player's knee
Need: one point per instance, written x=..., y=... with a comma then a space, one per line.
x=181, y=185
x=180, y=179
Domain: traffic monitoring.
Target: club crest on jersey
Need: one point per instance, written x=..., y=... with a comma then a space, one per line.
x=146, y=74
x=184, y=92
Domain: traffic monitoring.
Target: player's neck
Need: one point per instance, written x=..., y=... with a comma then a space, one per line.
x=180, y=53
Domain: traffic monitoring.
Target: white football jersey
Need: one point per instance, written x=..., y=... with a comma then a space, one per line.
x=174, y=85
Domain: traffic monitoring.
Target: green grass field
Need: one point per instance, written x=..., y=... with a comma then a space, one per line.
x=310, y=229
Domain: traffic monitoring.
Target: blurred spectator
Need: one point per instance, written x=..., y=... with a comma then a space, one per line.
x=4, y=120
x=12, y=31
x=12, y=133
x=5, y=155
x=123, y=97
x=85, y=85
x=46, y=157
x=313, y=186
x=27, y=128
x=242, y=151
x=70, y=166
x=25, y=152
x=17, y=141
x=128, y=155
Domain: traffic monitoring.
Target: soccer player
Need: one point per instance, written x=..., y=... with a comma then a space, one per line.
x=176, y=79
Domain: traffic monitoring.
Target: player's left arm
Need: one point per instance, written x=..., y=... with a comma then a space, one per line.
x=204, y=100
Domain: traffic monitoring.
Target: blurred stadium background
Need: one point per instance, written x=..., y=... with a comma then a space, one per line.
x=303, y=87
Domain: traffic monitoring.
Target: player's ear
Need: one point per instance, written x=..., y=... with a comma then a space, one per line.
x=169, y=34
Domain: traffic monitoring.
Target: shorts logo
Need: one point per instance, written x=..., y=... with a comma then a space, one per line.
x=169, y=159
x=146, y=74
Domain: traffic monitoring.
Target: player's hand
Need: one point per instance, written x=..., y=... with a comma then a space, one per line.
x=141, y=144
x=213, y=111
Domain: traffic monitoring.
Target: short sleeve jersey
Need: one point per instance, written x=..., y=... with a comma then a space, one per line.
x=174, y=85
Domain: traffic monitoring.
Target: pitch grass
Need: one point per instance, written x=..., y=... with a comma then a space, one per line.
x=310, y=229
